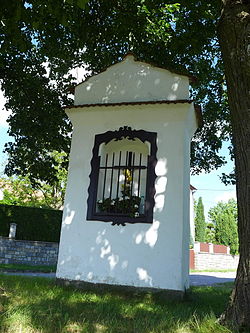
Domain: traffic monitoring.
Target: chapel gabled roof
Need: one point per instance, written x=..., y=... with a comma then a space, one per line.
x=197, y=108
x=134, y=82
x=183, y=72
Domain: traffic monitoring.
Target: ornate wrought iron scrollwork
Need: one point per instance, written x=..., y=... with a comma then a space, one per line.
x=116, y=214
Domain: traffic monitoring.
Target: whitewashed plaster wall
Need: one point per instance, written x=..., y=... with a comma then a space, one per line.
x=192, y=216
x=131, y=81
x=144, y=255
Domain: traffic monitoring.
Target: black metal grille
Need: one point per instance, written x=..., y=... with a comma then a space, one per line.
x=122, y=184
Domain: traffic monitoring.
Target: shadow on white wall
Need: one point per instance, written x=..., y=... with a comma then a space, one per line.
x=103, y=248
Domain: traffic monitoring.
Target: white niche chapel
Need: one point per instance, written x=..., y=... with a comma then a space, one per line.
x=126, y=210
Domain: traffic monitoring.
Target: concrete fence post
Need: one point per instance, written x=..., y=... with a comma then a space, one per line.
x=196, y=247
x=211, y=248
x=12, y=233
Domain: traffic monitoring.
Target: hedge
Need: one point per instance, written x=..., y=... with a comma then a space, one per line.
x=32, y=223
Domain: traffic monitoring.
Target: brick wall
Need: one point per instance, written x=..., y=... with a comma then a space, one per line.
x=191, y=259
x=220, y=249
x=215, y=261
x=211, y=248
x=204, y=247
x=27, y=252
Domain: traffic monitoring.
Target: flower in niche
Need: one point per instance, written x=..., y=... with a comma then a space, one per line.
x=126, y=203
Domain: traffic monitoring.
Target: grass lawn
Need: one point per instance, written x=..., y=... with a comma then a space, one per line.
x=27, y=268
x=49, y=269
x=39, y=305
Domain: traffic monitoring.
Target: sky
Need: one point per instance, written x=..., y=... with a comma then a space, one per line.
x=4, y=137
x=209, y=186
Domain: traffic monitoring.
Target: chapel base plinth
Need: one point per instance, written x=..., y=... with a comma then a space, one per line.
x=160, y=294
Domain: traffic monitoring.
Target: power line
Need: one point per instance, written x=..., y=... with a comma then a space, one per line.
x=213, y=189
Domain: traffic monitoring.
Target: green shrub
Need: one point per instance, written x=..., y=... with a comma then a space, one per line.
x=32, y=223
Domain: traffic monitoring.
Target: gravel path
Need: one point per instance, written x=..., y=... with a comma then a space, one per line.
x=196, y=279
x=211, y=278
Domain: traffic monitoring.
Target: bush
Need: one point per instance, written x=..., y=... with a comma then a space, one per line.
x=32, y=223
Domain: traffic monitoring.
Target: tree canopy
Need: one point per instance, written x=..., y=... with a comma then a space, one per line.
x=200, y=223
x=224, y=218
x=42, y=42
x=20, y=191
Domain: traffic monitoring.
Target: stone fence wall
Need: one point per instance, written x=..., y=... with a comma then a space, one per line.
x=203, y=261
x=27, y=252
x=14, y=251
x=207, y=256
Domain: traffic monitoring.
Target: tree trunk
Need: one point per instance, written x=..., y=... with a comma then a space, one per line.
x=234, y=38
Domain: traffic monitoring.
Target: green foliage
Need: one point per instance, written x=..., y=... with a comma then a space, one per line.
x=32, y=223
x=200, y=223
x=26, y=268
x=67, y=34
x=128, y=205
x=20, y=191
x=39, y=305
x=210, y=233
x=224, y=217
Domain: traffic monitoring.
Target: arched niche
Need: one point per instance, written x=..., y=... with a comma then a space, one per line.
x=122, y=177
